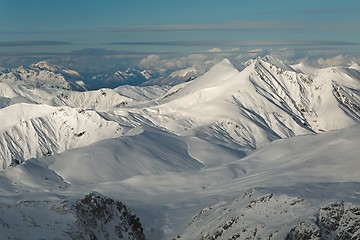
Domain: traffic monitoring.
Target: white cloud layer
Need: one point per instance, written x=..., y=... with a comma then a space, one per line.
x=102, y=61
x=257, y=50
x=215, y=50
x=172, y=63
x=338, y=60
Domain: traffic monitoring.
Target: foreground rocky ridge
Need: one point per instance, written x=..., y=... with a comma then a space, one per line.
x=337, y=220
x=92, y=217
x=256, y=215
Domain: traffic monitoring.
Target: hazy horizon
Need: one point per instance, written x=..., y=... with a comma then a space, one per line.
x=114, y=33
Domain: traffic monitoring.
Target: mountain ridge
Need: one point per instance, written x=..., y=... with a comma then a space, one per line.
x=245, y=109
x=43, y=75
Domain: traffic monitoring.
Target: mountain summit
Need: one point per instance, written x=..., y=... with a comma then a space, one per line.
x=44, y=65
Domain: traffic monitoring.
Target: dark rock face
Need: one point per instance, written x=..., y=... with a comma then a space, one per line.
x=93, y=217
x=304, y=230
x=340, y=221
x=99, y=217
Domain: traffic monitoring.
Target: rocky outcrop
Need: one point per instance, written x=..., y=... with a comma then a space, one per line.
x=256, y=215
x=99, y=217
x=336, y=220
x=94, y=217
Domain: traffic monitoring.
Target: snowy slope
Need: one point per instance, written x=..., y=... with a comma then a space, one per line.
x=30, y=130
x=103, y=99
x=149, y=152
x=320, y=169
x=285, y=214
x=183, y=73
x=310, y=158
x=175, y=77
x=323, y=167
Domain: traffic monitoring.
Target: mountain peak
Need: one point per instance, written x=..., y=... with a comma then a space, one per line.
x=226, y=62
x=21, y=69
x=44, y=65
x=183, y=72
x=224, y=65
x=355, y=65
x=270, y=59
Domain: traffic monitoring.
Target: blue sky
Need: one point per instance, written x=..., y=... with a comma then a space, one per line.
x=187, y=26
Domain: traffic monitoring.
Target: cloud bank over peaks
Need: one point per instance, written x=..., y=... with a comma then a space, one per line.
x=33, y=43
x=107, y=61
x=257, y=50
x=338, y=60
x=164, y=63
x=215, y=50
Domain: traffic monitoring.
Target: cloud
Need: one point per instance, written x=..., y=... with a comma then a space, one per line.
x=96, y=61
x=242, y=58
x=257, y=50
x=329, y=11
x=150, y=61
x=235, y=50
x=339, y=60
x=103, y=61
x=322, y=11
x=233, y=25
x=215, y=50
x=239, y=43
x=237, y=25
x=319, y=57
x=33, y=43
x=166, y=63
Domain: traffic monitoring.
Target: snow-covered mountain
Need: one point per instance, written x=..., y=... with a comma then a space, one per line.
x=30, y=130
x=43, y=75
x=131, y=76
x=144, y=77
x=268, y=100
x=289, y=133
x=102, y=99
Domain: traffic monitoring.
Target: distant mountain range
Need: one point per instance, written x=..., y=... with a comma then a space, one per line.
x=46, y=75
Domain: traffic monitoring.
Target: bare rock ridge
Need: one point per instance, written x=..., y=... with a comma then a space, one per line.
x=99, y=217
x=336, y=220
x=92, y=217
